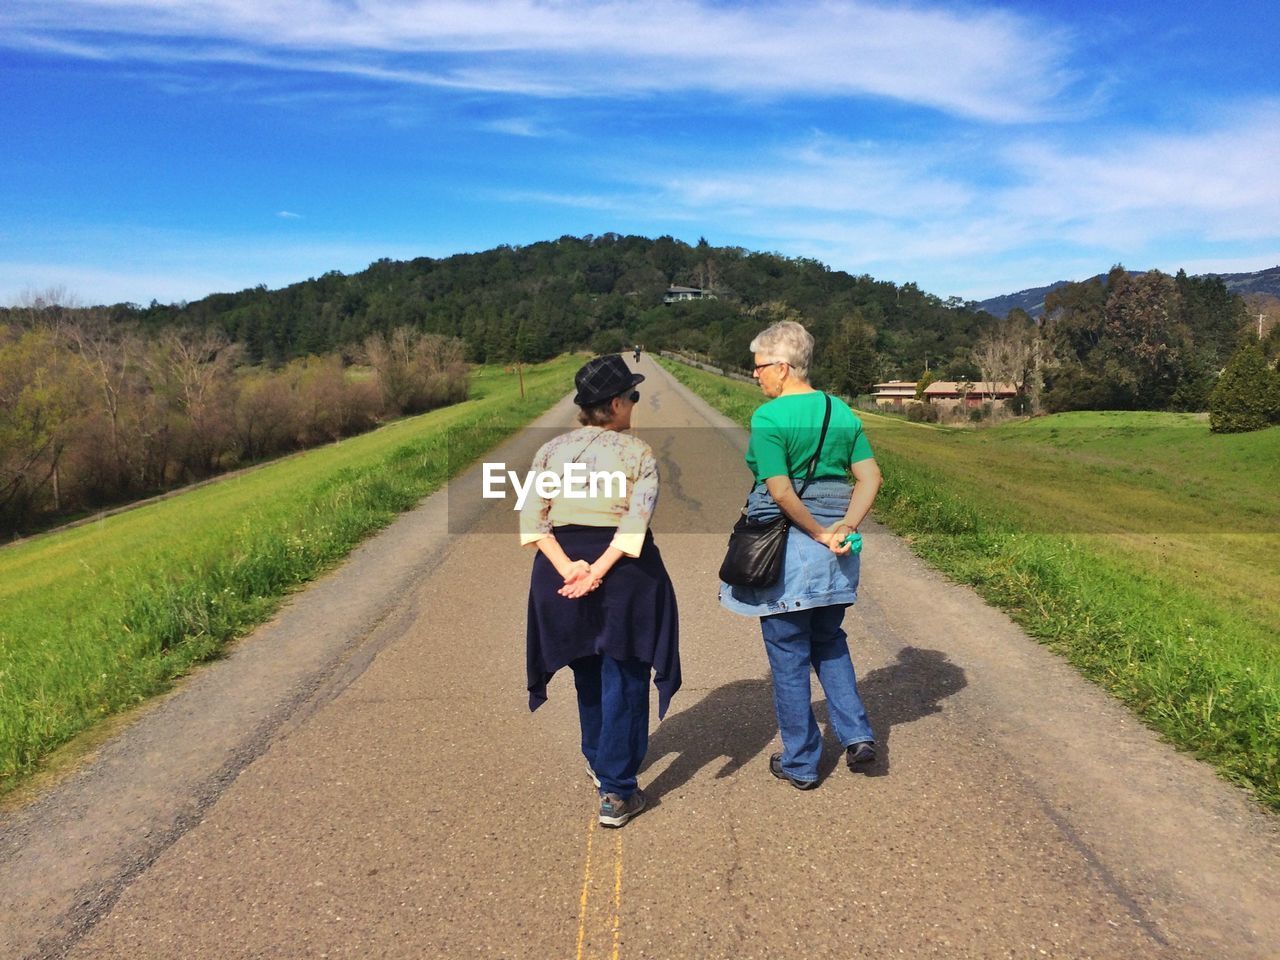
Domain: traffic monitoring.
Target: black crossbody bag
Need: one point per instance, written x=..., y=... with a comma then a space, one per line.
x=757, y=548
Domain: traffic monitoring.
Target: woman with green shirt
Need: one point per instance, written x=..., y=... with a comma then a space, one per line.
x=801, y=614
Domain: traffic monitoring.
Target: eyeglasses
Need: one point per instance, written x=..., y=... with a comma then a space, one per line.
x=771, y=363
x=635, y=396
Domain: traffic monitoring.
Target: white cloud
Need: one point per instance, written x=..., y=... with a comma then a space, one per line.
x=288, y=215
x=985, y=63
x=827, y=176
x=516, y=127
x=1219, y=184
x=978, y=221
x=626, y=201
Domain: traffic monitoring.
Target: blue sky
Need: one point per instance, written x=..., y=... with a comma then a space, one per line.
x=168, y=149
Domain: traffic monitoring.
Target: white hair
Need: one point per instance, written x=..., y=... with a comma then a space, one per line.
x=786, y=340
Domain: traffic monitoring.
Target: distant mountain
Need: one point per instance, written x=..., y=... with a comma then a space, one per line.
x=1260, y=281
x=1032, y=300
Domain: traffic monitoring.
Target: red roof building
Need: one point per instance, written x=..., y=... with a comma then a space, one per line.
x=970, y=393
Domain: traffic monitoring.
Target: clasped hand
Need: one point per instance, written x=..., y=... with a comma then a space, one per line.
x=833, y=536
x=579, y=580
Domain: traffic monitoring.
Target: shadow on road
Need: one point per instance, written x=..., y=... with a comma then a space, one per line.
x=912, y=687
x=735, y=723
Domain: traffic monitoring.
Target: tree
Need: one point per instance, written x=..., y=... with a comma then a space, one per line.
x=1138, y=341
x=1263, y=322
x=706, y=273
x=39, y=402
x=923, y=383
x=417, y=371
x=391, y=358
x=847, y=362
x=1006, y=353
x=328, y=409
x=111, y=357
x=670, y=256
x=265, y=416
x=1141, y=338
x=989, y=357
x=1247, y=395
x=612, y=340
x=195, y=371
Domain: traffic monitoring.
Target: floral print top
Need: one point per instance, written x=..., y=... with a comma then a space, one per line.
x=624, y=495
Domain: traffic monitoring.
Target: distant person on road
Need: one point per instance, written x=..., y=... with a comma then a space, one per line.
x=637, y=353
x=801, y=615
x=600, y=599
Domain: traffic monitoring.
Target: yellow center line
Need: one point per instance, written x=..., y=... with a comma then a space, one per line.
x=586, y=889
x=588, y=946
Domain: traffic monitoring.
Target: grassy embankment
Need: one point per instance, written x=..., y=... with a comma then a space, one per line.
x=1139, y=545
x=97, y=618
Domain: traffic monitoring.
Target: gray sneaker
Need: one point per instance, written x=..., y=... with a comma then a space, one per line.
x=614, y=811
x=860, y=754
x=594, y=778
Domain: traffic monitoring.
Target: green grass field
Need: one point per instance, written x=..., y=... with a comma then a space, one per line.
x=97, y=618
x=1139, y=545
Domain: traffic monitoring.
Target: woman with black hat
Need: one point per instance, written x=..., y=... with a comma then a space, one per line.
x=600, y=600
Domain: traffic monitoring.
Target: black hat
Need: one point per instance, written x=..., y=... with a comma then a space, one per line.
x=603, y=378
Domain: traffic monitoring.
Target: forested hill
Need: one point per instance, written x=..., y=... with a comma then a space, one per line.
x=607, y=292
x=602, y=292
x=1032, y=300
x=101, y=404
x=1259, y=282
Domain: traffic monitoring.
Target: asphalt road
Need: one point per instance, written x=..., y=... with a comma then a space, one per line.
x=362, y=778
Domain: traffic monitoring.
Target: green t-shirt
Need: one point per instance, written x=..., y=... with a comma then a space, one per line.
x=784, y=435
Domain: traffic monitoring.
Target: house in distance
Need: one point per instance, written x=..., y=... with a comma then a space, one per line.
x=942, y=393
x=676, y=294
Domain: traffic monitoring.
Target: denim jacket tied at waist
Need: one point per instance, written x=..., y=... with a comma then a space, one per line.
x=812, y=576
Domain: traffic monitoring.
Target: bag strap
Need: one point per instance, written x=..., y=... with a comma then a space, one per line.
x=813, y=464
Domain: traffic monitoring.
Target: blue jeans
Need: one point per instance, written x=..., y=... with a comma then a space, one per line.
x=613, y=710
x=795, y=642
